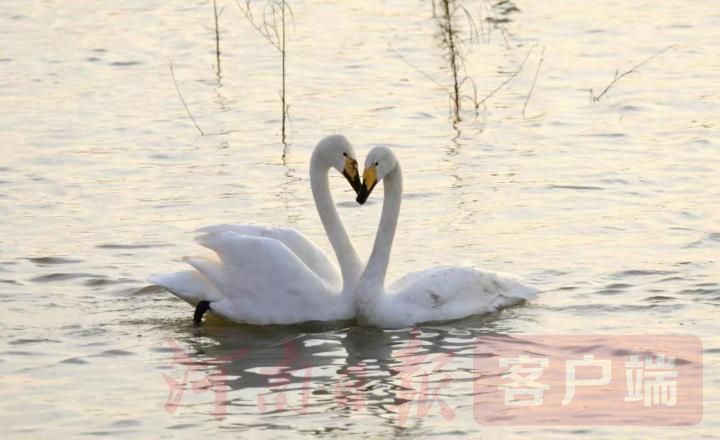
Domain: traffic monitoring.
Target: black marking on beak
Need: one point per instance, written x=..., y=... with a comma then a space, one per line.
x=202, y=307
x=353, y=180
x=364, y=192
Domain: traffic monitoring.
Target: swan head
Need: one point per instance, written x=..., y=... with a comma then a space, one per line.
x=336, y=152
x=379, y=162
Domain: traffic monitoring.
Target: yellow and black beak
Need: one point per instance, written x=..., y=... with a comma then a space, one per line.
x=368, y=184
x=352, y=174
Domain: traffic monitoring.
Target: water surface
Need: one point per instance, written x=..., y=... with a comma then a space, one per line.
x=609, y=207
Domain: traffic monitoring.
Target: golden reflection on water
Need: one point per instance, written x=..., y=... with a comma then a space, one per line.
x=610, y=206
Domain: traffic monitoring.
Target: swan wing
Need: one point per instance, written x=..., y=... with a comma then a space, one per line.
x=261, y=281
x=310, y=253
x=449, y=292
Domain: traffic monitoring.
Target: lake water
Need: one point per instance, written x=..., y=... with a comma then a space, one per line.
x=609, y=206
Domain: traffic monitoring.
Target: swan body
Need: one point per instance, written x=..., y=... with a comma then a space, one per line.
x=308, y=252
x=193, y=287
x=441, y=293
x=275, y=275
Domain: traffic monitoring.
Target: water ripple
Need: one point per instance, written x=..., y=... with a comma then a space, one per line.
x=576, y=187
x=710, y=240
x=63, y=276
x=133, y=246
x=49, y=261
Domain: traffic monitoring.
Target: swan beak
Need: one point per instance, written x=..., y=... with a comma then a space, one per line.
x=368, y=184
x=352, y=174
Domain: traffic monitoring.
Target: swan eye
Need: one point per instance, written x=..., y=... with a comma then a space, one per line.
x=345, y=154
x=376, y=163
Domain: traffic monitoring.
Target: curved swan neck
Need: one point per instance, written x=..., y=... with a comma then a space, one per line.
x=377, y=265
x=350, y=266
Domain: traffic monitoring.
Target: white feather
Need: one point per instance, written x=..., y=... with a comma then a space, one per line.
x=441, y=293
x=275, y=275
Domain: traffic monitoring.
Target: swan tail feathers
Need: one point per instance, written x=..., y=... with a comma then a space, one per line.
x=516, y=294
x=213, y=272
x=523, y=292
x=189, y=285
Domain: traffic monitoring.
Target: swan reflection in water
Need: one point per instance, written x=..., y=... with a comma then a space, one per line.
x=314, y=368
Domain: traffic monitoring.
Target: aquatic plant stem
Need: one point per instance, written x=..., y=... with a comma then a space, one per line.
x=217, y=37
x=284, y=76
x=510, y=78
x=187, y=110
x=532, y=87
x=618, y=76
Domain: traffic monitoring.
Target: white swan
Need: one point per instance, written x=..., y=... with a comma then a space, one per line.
x=437, y=294
x=275, y=275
